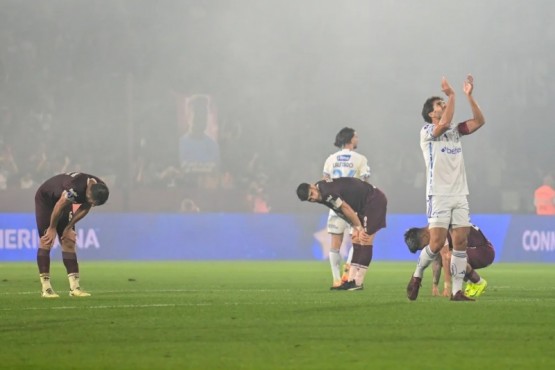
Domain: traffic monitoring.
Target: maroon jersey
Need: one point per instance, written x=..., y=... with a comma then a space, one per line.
x=479, y=249
x=353, y=191
x=73, y=183
x=367, y=201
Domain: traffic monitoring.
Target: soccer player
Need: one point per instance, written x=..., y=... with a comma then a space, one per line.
x=480, y=253
x=363, y=206
x=343, y=163
x=54, y=214
x=446, y=185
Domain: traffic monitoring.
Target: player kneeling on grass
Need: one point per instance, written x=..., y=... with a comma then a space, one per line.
x=54, y=213
x=480, y=254
x=363, y=206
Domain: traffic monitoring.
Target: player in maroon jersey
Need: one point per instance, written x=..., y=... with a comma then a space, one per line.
x=363, y=206
x=480, y=254
x=54, y=202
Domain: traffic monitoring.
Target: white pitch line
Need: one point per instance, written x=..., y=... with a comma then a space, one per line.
x=153, y=305
x=159, y=291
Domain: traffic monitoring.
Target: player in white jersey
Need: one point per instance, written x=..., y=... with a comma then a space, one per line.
x=343, y=163
x=446, y=186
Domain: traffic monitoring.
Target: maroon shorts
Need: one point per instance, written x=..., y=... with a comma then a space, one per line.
x=43, y=213
x=480, y=257
x=374, y=214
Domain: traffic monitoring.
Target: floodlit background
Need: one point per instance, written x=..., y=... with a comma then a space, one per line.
x=113, y=88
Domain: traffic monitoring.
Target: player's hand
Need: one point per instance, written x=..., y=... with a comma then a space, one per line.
x=47, y=240
x=69, y=234
x=468, y=85
x=446, y=88
x=356, y=233
x=447, y=289
x=435, y=290
x=364, y=238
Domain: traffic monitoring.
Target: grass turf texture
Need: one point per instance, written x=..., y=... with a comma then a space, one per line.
x=271, y=315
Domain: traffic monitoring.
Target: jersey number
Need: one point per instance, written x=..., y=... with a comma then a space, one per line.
x=338, y=173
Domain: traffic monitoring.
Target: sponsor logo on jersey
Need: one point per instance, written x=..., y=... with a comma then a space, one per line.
x=447, y=150
x=71, y=195
x=343, y=157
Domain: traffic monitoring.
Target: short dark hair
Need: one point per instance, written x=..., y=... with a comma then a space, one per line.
x=303, y=191
x=100, y=193
x=344, y=137
x=429, y=108
x=413, y=239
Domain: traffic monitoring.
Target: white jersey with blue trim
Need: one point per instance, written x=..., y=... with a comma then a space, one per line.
x=347, y=163
x=445, y=172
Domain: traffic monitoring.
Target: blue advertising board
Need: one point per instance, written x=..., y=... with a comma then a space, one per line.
x=155, y=236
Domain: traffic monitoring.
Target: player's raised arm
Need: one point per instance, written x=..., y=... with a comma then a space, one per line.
x=448, y=111
x=478, y=119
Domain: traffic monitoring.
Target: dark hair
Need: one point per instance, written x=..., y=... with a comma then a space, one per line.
x=303, y=191
x=413, y=239
x=99, y=193
x=429, y=108
x=344, y=137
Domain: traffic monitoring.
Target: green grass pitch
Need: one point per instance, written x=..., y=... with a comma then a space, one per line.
x=271, y=315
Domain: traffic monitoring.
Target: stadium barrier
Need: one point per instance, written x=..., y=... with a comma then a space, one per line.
x=209, y=236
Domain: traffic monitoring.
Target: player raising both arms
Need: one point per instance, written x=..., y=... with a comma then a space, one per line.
x=446, y=186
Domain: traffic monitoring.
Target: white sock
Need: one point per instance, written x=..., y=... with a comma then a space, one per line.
x=361, y=273
x=425, y=258
x=458, y=269
x=335, y=263
x=353, y=272
x=73, y=280
x=349, y=259
x=45, y=281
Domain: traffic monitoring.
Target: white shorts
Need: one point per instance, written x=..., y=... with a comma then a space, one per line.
x=337, y=225
x=445, y=211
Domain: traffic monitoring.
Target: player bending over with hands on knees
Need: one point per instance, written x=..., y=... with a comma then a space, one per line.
x=344, y=163
x=446, y=185
x=54, y=213
x=363, y=206
x=480, y=253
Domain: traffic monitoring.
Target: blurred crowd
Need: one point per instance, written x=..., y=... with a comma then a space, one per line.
x=106, y=97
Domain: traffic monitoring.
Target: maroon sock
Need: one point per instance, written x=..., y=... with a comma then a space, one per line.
x=43, y=260
x=362, y=254
x=473, y=276
x=70, y=262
